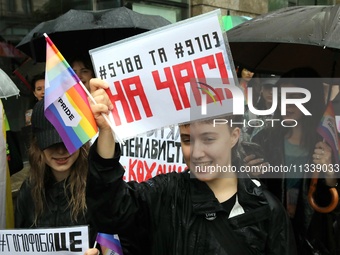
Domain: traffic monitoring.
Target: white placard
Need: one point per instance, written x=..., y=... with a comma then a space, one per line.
x=48, y=241
x=156, y=152
x=154, y=77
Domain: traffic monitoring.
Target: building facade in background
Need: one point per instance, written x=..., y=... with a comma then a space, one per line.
x=250, y=8
x=18, y=17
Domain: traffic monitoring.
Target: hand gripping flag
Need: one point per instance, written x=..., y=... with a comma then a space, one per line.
x=327, y=129
x=109, y=244
x=66, y=104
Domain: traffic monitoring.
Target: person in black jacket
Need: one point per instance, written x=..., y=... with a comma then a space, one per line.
x=52, y=170
x=209, y=209
x=301, y=149
x=54, y=193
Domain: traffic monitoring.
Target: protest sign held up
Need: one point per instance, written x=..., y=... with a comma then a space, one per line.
x=156, y=152
x=161, y=70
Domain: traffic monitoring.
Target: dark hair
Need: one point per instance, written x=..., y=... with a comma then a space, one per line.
x=265, y=82
x=37, y=77
x=85, y=59
x=308, y=78
x=40, y=173
x=239, y=71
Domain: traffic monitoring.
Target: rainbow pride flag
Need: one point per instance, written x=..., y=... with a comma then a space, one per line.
x=66, y=104
x=327, y=129
x=109, y=244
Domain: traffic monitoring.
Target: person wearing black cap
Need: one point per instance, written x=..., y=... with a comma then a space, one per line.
x=266, y=94
x=264, y=102
x=54, y=193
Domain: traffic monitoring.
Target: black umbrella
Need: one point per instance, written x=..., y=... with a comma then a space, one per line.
x=78, y=31
x=288, y=38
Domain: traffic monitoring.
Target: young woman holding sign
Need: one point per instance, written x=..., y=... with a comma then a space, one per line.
x=199, y=211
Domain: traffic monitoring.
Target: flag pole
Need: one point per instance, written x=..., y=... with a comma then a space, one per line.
x=75, y=76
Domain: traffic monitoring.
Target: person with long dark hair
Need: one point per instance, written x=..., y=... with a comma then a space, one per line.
x=82, y=66
x=263, y=102
x=38, y=88
x=294, y=142
x=54, y=193
x=244, y=77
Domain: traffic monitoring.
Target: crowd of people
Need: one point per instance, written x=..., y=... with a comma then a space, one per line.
x=196, y=211
x=300, y=145
x=227, y=213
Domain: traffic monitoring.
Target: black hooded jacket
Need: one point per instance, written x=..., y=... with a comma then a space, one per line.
x=168, y=213
x=320, y=229
x=56, y=212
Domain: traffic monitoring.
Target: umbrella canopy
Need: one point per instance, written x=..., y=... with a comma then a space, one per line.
x=230, y=21
x=9, y=51
x=27, y=70
x=288, y=38
x=7, y=86
x=78, y=31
